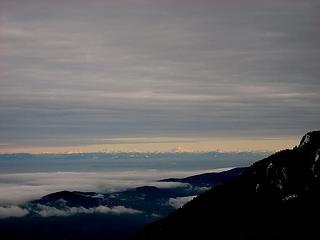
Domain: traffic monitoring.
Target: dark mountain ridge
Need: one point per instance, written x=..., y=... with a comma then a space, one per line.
x=275, y=198
x=209, y=179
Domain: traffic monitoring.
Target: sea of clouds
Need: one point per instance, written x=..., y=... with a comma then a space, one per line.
x=25, y=177
x=18, y=188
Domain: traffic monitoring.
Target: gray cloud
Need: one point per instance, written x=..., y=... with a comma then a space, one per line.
x=12, y=211
x=75, y=69
x=18, y=188
x=47, y=211
x=179, y=201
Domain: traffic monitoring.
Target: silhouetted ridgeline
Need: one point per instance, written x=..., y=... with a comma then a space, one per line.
x=276, y=198
x=209, y=179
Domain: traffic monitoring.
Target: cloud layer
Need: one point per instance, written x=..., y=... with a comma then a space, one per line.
x=47, y=211
x=21, y=187
x=12, y=211
x=180, y=201
x=86, y=70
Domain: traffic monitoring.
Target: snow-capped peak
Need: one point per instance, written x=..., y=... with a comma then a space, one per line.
x=305, y=140
x=311, y=139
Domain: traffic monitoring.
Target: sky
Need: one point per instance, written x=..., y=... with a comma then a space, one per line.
x=150, y=75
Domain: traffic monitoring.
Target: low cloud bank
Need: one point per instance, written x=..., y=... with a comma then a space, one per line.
x=179, y=201
x=18, y=188
x=12, y=211
x=46, y=211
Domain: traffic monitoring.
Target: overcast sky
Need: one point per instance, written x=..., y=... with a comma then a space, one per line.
x=78, y=72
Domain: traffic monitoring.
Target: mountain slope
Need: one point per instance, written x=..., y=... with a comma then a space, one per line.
x=275, y=198
x=209, y=179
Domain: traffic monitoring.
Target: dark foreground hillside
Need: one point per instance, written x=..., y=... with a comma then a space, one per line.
x=276, y=198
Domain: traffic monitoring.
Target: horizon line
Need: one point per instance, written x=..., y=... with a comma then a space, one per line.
x=136, y=152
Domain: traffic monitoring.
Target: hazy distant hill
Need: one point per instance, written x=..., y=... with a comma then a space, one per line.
x=209, y=179
x=276, y=198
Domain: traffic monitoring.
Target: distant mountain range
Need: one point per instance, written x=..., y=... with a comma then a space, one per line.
x=275, y=198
